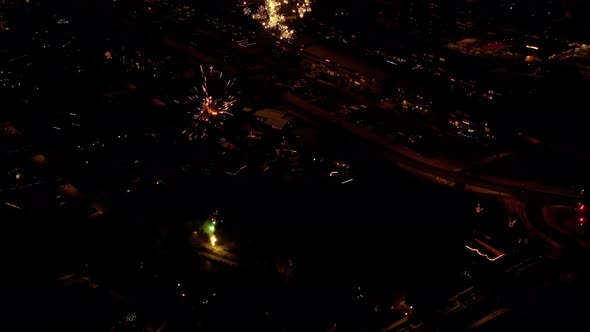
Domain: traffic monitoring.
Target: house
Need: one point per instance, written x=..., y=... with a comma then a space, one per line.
x=273, y=118
x=343, y=70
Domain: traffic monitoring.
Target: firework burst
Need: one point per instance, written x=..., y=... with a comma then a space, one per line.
x=210, y=103
x=275, y=15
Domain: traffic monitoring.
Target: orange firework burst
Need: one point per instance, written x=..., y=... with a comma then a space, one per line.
x=275, y=15
x=210, y=107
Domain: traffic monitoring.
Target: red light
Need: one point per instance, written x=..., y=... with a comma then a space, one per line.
x=582, y=220
x=581, y=207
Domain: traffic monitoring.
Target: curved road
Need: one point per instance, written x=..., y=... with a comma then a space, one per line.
x=530, y=198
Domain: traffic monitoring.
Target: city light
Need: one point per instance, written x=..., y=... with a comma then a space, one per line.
x=213, y=240
x=478, y=209
x=485, y=255
x=131, y=317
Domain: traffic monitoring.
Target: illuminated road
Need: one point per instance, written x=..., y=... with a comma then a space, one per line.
x=431, y=169
x=527, y=200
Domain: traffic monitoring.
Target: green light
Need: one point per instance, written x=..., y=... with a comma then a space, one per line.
x=209, y=227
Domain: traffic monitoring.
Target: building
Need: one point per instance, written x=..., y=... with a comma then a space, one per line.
x=275, y=119
x=480, y=47
x=470, y=126
x=14, y=2
x=532, y=49
x=342, y=71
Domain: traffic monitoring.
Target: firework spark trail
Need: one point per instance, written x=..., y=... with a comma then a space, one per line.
x=212, y=107
x=275, y=14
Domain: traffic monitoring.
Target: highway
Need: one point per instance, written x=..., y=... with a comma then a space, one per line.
x=527, y=199
x=427, y=167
